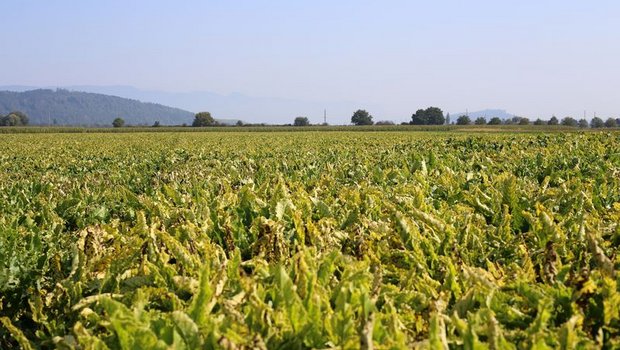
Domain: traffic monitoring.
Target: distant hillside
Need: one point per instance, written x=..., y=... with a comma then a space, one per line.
x=64, y=107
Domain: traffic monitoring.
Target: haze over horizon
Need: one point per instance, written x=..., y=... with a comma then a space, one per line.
x=530, y=58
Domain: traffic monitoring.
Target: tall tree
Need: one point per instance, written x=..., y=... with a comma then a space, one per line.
x=361, y=117
x=429, y=116
x=301, y=121
x=610, y=123
x=596, y=122
x=203, y=119
x=553, y=121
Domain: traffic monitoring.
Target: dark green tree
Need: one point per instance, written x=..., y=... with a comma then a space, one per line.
x=301, y=121
x=463, y=120
x=495, y=121
x=419, y=118
x=480, y=121
x=118, y=122
x=583, y=123
x=434, y=115
x=10, y=120
x=524, y=121
x=553, y=121
x=597, y=122
x=539, y=121
x=610, y=123
x=361, y=117
x=23, y=118
x=568, y=121
x=429, y=116
x=203, y=119
x=14, y=118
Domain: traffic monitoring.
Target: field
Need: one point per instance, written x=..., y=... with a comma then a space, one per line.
x=294, y=240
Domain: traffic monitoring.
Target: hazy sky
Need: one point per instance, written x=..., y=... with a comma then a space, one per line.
x=533, y=58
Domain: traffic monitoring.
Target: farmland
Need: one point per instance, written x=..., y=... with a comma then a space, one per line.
x=312, y=239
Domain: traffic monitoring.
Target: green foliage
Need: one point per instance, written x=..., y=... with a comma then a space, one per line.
x=463, y=120
x=361, y=117
x=203, y=119
x=553, y=121
x=387, y=240
x=495, y=121
x=610, y=123
x=301, y=121
x=118, y=122
x=597, y=122
x=568, y=121
x=429, y=116
x=14, y=118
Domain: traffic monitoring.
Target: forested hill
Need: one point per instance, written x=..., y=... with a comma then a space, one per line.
x=64, y=107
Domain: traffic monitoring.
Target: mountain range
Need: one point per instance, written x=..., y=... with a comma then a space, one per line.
x=64, y=107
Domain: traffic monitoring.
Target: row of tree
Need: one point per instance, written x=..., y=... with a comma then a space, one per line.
x=430, y=116
x=435, y=116
x=15, y=118
x=568, y=121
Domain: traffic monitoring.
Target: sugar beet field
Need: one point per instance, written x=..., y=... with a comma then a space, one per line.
x=299, y=240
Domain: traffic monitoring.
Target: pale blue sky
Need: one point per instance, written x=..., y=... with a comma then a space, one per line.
x=533, y=58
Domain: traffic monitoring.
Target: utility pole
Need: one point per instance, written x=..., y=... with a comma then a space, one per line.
x=325, y=116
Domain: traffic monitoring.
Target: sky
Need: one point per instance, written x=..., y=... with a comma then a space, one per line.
x=532, y=58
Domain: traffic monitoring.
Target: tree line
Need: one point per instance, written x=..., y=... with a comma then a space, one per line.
x=435, y=116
